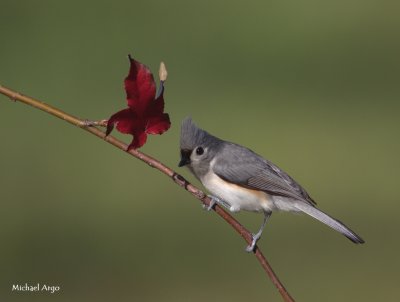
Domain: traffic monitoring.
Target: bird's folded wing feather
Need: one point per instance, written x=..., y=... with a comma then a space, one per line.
x=242, y=166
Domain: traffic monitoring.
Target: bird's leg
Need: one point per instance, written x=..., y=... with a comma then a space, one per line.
x=257, y=236
x=215, y=200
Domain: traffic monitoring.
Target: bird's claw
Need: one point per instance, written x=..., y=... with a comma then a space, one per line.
x=250, y=248
x=211, y=204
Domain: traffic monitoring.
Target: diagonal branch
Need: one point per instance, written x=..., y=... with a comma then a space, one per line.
x=152, y=162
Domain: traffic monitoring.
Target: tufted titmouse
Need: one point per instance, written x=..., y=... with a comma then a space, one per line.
x=240, y=179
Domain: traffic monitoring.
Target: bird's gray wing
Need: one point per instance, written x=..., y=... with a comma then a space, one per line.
x=242, y=166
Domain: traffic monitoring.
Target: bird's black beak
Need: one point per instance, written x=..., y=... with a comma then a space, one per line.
x=185, y=158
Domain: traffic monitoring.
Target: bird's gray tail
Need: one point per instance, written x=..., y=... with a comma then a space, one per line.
x=329, y=221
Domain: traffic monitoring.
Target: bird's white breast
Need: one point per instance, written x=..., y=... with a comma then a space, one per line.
x=238, y=197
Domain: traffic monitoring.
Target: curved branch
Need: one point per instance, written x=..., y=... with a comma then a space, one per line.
x=152, y=162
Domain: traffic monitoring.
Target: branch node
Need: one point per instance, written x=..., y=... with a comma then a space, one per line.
x=86, y=123
x=14, y=97
x=180, y=180
x=89, y=123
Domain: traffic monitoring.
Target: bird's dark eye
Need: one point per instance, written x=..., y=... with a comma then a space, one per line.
x=199, y=150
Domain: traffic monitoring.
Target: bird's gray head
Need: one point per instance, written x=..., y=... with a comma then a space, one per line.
x=198, y=147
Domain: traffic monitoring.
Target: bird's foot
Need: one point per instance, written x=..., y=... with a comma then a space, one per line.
x=215, y=200
x=212, y=203
x=256, y=237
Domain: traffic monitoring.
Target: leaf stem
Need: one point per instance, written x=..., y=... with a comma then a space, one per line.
x=178, y=179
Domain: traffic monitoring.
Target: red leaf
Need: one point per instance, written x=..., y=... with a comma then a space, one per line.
x=158, y=124
x=157, y=106
x=122, y=119
x=145, y=113
x=140, y=87
x=139, y=139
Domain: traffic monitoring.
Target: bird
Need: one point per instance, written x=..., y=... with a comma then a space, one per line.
x=240, y=179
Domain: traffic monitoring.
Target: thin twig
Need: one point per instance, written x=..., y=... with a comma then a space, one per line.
x=178, y=179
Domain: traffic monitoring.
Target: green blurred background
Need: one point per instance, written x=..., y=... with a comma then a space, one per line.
x=311, y=85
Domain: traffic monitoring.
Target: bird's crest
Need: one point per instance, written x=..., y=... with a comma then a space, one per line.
x=192, y=136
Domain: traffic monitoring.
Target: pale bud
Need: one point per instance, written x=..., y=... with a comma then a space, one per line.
x=162, y=73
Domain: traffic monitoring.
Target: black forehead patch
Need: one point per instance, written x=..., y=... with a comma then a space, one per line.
x=185, y=153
